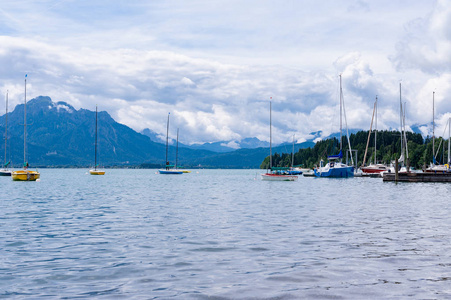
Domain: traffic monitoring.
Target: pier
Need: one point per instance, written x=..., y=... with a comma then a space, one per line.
x=418, y=177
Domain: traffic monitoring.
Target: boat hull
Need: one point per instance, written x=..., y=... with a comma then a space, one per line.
x=96, y=172
x=374, y=169
x=170, y=172
x=277, y=177
x=5, y=172
x=25, y=175
x=338, y=172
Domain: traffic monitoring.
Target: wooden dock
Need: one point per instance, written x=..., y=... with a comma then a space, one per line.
x=418, y=177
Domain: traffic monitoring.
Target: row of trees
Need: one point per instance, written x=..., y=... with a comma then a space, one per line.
x=388, y=148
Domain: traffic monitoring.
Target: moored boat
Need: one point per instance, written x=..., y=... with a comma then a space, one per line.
x=275, y=174
x=373, y=168
x=25, y=174
x=96, y=171
x=335, y=168
x=171, y=169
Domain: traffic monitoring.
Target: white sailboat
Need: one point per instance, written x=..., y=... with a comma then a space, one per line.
x=96, y=171
x=434, y=167
x=275, y=174
x=5, y=171
x=25, y=174
x=335, y=167
x=404, y=149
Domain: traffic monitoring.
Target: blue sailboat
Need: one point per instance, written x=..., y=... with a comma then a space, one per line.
x=335, y=168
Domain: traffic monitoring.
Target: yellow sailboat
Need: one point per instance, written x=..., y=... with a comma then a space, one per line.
x=95, y=171
x=25, y=174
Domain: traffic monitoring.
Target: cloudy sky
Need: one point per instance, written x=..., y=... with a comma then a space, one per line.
x=215, y=65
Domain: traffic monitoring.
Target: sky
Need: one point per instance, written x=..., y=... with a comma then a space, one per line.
x=216, y=65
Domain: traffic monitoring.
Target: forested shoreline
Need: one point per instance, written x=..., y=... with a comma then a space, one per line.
x=388, y=146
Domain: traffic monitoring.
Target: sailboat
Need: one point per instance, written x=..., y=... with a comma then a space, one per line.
x=177, y=155
x=373, y=168
x=335, y=167
x=25, y=174
x=169, y=168
x=275, y=174
x=294, y=170
x=434, y=167
x=6, y=171
x=402, y=168
x=96, y=171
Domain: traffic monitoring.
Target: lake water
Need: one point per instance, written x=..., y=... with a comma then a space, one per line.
x=222, y=234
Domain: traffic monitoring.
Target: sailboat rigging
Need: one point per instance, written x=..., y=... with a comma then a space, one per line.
x=95, y=171
x=25, y=174
x=169, y=168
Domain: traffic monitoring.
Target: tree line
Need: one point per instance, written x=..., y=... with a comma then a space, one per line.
x=388, y=146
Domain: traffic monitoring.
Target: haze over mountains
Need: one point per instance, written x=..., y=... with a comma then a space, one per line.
x=59, y=135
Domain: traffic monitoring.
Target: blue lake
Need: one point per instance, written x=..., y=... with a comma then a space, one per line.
x=222, y=234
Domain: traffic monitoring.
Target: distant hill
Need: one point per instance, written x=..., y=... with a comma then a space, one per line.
x=222, y=146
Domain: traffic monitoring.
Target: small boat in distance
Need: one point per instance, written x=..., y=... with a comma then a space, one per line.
x=96, y=171
x=6, y=171
x=177, y=155
x=25, y=174
x=169, y=170
x=275, y=174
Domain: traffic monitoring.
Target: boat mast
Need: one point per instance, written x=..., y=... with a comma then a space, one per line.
x=177, y=149
x=369, y=134
x=270, y=135
x=292, y=155
x=400, y=121
x=433, y=127
x=6, y=125
x=375, y=133
x=341, y=108
x=404, y=124
x=25, y=126
x=167, y=140
x=95, y=145
x=449, y=141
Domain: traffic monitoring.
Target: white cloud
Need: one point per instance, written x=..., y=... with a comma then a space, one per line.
x=214, y=66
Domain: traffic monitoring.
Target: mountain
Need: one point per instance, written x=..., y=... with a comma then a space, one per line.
x=246, y=158
x=60, y=135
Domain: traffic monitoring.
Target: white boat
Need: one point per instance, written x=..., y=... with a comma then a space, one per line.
x=25, y=174
x=335, y=167
x=275, y=174
x=96, y=171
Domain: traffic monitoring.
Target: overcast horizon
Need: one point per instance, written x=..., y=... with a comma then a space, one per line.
x=215, y=65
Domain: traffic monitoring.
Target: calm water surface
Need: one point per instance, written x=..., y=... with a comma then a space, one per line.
x=222, y=234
